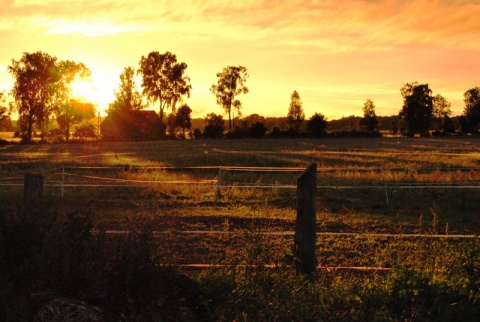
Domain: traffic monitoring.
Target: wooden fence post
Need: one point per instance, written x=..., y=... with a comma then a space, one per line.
x=32, y=191
x=305, y=229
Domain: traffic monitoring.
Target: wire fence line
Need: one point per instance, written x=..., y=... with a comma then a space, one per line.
x=86, y=180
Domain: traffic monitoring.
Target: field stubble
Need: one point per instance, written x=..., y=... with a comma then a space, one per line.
x=365, y=186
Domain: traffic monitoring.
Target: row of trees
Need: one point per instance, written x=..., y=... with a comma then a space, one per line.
x=422, y=112
x=43, y=90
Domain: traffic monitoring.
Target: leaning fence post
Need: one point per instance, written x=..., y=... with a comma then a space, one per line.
x=305, y=228
x=32, y=191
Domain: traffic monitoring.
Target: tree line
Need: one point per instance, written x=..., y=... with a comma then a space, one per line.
x=42, y=92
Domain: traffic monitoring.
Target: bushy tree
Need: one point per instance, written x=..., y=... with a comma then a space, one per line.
x=73, y=112
x=127, y=97
x=215, y=126
x=441, y=112
x=317, y=125
x=295, y=116
x=369, y=121
x=85, y=131
x=257, y=130
x=417, y=108
x=230, y=83
x=164, y=80
x=472, y=107
x=183, y=118
x=34, y=91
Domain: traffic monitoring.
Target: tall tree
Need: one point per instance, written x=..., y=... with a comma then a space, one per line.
x=369, y=121
x=36, y=84
x=71, y=110
x=295, y=116
x=441, y=112
x=127, y=97
x=417, y=108
x=472, y=107
x=230, y=83
x=163, y=80
x=183, y=118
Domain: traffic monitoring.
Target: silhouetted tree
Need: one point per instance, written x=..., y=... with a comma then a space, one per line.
x=127, y=97
x=295, y=116
x=317, y=125
x=417, y=108
x=257, y=130
x=472, y=107
x=183, y=118
x=3, y=108
x=215, y=126
x=85, y=131
x=441, y=112
x=36, y=84
x=163, y=80
x=230, y=83
x=369, y=121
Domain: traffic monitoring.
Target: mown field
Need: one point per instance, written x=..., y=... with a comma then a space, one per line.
x=382, y=203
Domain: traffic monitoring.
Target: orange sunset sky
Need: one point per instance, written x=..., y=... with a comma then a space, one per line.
x=336, y=53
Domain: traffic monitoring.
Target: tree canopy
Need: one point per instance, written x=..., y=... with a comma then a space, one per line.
x=127, y=97
x=182, y=117
x=472, y=107
x=441, y=113
x=296, y=115
x=369, y=122
x=164, y=80
x=230, y=83
x=317, y=125
x=34, y=91
x=417, y=108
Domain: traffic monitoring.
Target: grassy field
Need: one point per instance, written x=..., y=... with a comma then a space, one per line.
x=365, y=187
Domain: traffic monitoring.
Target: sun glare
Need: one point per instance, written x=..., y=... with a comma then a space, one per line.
x=83, y=89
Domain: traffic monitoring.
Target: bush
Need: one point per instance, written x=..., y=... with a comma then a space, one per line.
x=51, y=260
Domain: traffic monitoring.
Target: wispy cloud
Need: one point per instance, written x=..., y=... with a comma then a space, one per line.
x=339, y=25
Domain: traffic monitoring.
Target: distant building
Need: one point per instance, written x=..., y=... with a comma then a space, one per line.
x=131, y=126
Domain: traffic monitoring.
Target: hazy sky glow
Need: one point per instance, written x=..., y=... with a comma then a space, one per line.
x=335, y=53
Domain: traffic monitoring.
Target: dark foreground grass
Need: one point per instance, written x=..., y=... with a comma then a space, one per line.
x=46, y=254
x=59, y=249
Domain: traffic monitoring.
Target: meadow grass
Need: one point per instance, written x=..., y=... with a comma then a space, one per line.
x=430, y=279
